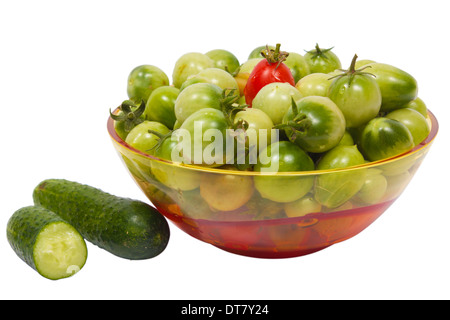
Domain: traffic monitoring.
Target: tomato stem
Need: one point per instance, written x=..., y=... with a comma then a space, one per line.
x=130, y=115
x=161, y=138
x=351, y=69
x=351, y=72
x=230, y=107
x=274, y=55
x=298, y=125
x=318, y=52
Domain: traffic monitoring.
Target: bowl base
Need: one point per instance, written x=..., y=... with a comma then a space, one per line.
x=273, y=254
x=279, y=238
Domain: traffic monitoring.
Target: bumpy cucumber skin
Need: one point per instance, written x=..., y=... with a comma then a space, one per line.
x=23, y=229
x=127, y=228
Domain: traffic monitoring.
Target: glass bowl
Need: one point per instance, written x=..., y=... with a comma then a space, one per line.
x=222, y=208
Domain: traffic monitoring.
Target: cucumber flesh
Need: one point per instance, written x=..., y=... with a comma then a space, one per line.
x=46, y=242
x=59, y=251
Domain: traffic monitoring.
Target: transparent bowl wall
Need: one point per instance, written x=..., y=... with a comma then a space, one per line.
x=260, y=227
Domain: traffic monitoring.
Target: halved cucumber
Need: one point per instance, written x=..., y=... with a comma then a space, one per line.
x=46, y=242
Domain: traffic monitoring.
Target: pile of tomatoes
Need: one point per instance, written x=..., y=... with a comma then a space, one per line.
x=325, y=117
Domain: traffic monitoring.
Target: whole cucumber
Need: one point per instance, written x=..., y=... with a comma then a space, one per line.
x=46, y=242
x=127, y=228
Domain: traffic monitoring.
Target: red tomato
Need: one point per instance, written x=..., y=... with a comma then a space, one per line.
x=271, y=69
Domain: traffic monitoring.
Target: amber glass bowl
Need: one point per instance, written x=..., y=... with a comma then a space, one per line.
x=210, y=203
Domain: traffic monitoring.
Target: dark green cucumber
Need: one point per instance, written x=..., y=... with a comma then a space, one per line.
x=46, y=242
x=127, y=228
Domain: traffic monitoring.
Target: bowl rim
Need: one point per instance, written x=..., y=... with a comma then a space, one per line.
x=434, y=128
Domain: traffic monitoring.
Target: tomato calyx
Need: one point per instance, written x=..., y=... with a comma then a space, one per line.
x=130, y=115
x=298, y=125
x=318, y=52
x=235, y=72
x=161, y=138
x=274, y=55
x=230, y=107
x=351, y=72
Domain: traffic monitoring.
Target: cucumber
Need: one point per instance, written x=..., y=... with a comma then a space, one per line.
x=127, y=228
x=46, y=242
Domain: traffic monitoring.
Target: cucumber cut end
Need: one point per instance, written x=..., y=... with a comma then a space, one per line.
x=59, y=251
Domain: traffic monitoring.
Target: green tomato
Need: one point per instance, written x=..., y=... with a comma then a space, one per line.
x=140, y=171
x=335, y=73
x=396, y=184
x=141, y=139
x=259, y=126
x=174, y=177
x=190, y=81
x=247, y=66
x=143, y=79
x=161, y=106
x=298, y=65
x=321, y=124
x=302, y=207
x=314, y=84
x=383, y=138
x=414, y=121
x=347, y=139
x=397, y=86
x=341, y=157
x=189, y=64
x=195, y=97
x=283, y=156
x=399, y=166
x=322, y=60
x=128, y=117
x=204, y=138
x=336, y=188
x=226, y=192
x=362, y=63
x=257, y=136
x=256, y=53
x=358, y=96
x=275, y=99
x=224, y=60
x=418, y=105
x=192, y=205
x=120, y=129
x=219, y=77
x=374, y=187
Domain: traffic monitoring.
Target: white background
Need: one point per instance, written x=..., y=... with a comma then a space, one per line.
x=64, y=64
